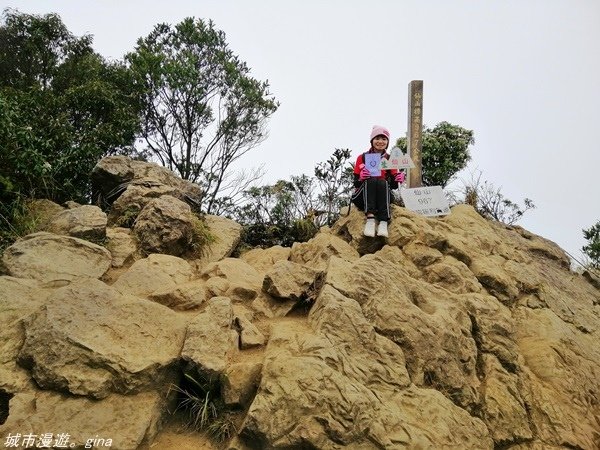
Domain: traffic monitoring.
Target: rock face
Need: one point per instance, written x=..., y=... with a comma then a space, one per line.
x=165, y=225
x=115, y=175
x=64, y=353
x=51, y=258
x=453, y=333
x=85, y=222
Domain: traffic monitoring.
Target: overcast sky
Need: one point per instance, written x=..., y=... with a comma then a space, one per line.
x=524, y=75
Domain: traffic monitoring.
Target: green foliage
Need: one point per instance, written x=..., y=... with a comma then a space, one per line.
x=292, y=211
x=201, y=109
x=592, y=249
x=445, y=152
x=201, y=235
x=62, y=107
x=272, y=215
x=16, y=220
x=200, y=400
x=334, y=178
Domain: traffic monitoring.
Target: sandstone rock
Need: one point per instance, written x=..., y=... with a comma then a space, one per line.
x=183, y=297
x=250, y=336
x=48, y=257
x=453, y=275
x=114, y=174
x=491, y=274
x=289, y=280
x=70, y=204
x=240, y=382
x=316, y=252
x=154, y=273
x=430, y=324
x=244, y=282
x=42, y=211
x=89, y=340
x=217, y=287
x=504, y=409
x=122, y=246
x=561, y=374
x=227, y=235
x=128, y=420
x=165, y=225
x=211, y=339
x=269, y=307
x=320, y=390
x=262, y=259
x=85, y=222
x=136, y=196
x=19, y=298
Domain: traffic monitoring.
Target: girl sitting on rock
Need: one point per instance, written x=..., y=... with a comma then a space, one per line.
x=372, y=193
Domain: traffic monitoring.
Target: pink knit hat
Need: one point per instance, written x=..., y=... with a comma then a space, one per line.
x=378, y=130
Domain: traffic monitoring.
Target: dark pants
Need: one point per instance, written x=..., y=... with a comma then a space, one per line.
x=374, y=197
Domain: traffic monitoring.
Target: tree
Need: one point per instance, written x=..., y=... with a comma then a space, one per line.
x=32, y=48
x=592, y=249
x=201, y=109
x=334, y=178
x=445, y=152
x=63, y=108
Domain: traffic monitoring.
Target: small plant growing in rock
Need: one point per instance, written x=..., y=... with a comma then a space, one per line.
x=201, y=236
x=128, y=217
x=200, y=400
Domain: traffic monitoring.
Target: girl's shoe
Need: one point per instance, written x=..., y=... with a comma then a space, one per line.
x=370, y=227
x=382, y=229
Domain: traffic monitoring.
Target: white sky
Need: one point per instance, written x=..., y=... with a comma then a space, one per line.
x=523, y=74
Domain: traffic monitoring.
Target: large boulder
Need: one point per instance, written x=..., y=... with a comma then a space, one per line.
x=289, y=280
x=154, y=273
x=227, y=235
x=87, y=339
x=128, y=421
x=48, y=257
x=316, y=252
x=19, y=298
x=165, y=225
x=85, y=222
x=123, y=246
x=113, y=175
x=262, y=259
x=242, y=282
x=211, y=339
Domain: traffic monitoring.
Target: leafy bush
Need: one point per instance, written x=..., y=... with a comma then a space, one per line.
x=445, y=152
x=592, y=249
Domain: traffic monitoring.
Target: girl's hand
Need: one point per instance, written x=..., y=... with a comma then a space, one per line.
x=399, y=177
x=364, y=174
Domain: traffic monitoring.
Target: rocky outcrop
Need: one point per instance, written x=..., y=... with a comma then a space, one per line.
x=65, y=353
x=337, y=382
x=455, y=332
x=114, y=174
x=85, y=222
x=127, y=420
x=165, y=225
x=226, y=235
x=211, y=339
x=152, y=274
x=125, y=186
x=51, y=258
